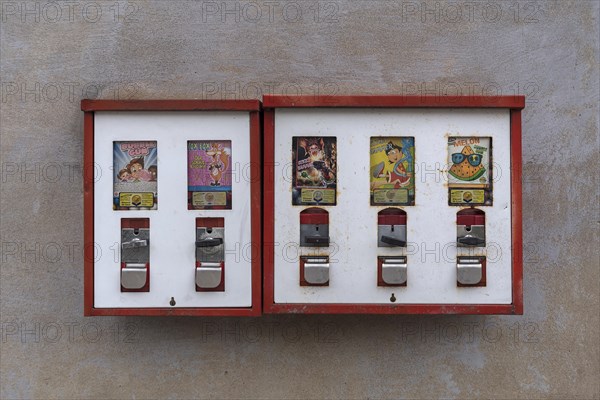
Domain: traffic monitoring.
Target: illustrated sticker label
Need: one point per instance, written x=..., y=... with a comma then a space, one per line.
x=392, y=168
x=314, y=172
x=209, y=174
x=470, y=172
x=135, y=175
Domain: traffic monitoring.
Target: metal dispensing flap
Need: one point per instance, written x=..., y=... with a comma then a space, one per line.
x=134, y=276
x=316, y=270
x=469, y=270
x=394, y=270
x=209, y=275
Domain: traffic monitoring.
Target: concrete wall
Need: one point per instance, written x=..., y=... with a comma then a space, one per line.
x=55, y=54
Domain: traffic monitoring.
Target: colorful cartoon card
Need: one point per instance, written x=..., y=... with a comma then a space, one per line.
x=470, y=171
x=135, y=175
x=314, y=180
x=209, y=175
x=392, y=169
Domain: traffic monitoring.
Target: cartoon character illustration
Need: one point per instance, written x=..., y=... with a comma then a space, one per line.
x=398, y=176
x=154, y=171
x=322, y=172
x=135, y=175
x=124, y=175
x=314, y=148
x=396, y=170
x=138, y=173
x=220, y=162
x=466, y=165
x=209, y=174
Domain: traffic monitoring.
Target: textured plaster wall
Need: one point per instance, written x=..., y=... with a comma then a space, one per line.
x=55, y=54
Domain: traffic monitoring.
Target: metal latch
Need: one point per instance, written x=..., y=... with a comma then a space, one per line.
x=210, y=254
x=471, y=236
x=316, y=270
x=135, y=245
x=394, y=270
x=470, y=230
x=391, y=236
x=135, y=256
x=469, y=270
x=391, y=228
x=210, y=245
x=314, y=235
x=314, y=228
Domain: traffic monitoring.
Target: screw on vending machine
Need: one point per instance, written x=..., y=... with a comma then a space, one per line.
x=172, y=302
x=393, y=298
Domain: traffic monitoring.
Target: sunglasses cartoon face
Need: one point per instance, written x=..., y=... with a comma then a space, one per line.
x=473, y=159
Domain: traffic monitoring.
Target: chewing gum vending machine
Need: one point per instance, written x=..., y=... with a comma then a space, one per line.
x=172, y=216
x=392, y=204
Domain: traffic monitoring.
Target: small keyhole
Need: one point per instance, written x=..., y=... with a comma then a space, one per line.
x=136, y=231
x=317, y=228
x=172, y=302
x=393, y=298
x=208, y=230
x=392, y=228
x=468, y=228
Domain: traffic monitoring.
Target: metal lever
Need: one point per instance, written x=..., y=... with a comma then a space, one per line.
x=134, y=243
x=209, y=242
x=393, y=241
x=471, y=240
x=318, y=241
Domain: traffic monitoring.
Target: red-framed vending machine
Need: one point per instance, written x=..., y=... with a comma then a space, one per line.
x=172, y=207
x=392, y=205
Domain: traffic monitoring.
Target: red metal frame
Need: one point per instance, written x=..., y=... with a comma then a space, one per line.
x=251, y=106
x=514, y=103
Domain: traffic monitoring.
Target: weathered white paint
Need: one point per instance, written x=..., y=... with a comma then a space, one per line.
x=431, y=223
x=172, y=225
